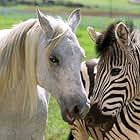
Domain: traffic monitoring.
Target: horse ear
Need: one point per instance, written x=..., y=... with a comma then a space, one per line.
x=93, y=34
x=121, y=34
x=44, y=23
x=74, y=19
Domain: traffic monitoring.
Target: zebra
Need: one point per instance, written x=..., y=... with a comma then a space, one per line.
x=88, y=72
x=116, y=95
x=115, y=101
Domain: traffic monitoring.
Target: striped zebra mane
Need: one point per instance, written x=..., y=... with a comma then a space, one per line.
x=107, y=37
x=130, y=25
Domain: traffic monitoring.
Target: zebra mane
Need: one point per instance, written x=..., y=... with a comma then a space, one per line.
x=130, y=25
x=107, y=37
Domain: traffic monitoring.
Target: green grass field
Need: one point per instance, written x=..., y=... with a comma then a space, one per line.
x=57, y=129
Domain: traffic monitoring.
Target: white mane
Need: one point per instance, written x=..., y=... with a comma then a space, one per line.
x=18, y=60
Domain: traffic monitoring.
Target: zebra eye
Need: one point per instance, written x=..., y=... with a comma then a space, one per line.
x=53, y=60
x=115, y=71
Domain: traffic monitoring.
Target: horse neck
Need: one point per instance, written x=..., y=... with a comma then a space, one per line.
x=15, y=92
x=10, y=60
x=15, y=101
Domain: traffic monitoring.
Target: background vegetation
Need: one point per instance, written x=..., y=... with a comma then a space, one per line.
x=96, y=13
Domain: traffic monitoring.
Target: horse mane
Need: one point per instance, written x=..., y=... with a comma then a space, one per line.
x=18, y=59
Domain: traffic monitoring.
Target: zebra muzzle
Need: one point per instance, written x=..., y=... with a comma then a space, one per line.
x=96, y=118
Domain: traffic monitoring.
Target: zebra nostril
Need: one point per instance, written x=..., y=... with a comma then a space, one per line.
x=114, y=113
x=105, y=109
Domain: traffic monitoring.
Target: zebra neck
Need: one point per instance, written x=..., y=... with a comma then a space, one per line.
x=127, y=125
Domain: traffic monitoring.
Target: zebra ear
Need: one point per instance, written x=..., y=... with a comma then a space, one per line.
x=121, y=34
x=74, y=19
x=93, y=34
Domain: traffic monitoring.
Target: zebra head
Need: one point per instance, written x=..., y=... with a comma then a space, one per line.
x=118, y=73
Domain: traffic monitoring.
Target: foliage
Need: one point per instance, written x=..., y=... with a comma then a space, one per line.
x=108, y=5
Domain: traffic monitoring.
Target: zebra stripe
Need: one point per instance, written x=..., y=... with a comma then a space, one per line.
x=117, y=87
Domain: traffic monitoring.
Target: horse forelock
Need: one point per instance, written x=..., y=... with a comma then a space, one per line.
x=60, y=30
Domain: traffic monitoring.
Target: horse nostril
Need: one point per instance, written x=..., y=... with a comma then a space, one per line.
x=80, y=110
x=76, y=109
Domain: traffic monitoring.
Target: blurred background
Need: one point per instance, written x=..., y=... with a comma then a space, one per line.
x=96, y=13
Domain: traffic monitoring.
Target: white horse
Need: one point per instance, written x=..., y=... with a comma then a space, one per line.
x=42, y=52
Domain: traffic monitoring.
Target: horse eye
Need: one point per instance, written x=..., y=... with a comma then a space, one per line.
x=53, y=59
x=115, y=71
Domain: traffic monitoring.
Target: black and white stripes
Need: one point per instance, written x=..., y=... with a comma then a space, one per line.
x=117, y=86
x=115, y=110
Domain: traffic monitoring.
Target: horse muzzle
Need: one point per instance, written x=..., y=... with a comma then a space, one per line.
x=78, y=111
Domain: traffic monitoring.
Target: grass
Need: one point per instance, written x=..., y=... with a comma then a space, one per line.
x=57, y=129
